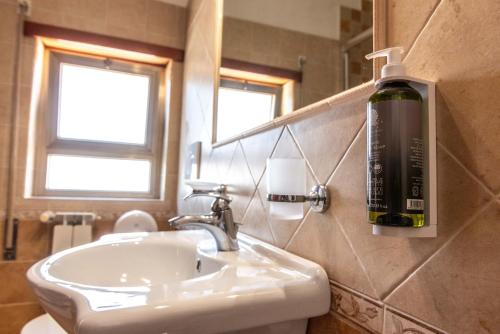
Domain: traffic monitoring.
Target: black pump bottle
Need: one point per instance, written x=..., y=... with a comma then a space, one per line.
x=395, y=148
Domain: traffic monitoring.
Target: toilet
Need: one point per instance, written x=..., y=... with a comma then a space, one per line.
x=131, y=221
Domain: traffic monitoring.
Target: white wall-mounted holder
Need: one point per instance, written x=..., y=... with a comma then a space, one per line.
x=427, y=90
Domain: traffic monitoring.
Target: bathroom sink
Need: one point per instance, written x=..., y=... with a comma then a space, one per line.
x=177, y=282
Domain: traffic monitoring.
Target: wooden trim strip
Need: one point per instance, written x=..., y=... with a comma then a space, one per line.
x=45, y=30
x=261, y=69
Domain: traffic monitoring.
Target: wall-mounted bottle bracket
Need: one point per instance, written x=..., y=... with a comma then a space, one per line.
x=427, y=90
x=318, y=198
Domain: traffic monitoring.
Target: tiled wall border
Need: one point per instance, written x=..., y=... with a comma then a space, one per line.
x=397, y=322
x=358, y=308
x=373, y=315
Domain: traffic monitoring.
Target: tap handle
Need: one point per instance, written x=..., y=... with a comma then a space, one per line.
x=209, y=194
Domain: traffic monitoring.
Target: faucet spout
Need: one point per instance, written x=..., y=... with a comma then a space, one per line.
x=180, y=221
x=225, y=236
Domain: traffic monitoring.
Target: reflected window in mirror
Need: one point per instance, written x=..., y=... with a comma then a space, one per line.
x=244, y=104
x=317, y=45
x=248, y=99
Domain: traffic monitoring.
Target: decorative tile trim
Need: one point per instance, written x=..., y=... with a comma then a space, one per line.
x=360, y=309
x=398, y=323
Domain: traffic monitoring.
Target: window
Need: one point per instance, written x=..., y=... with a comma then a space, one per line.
x=100, y=128
x=243, y=105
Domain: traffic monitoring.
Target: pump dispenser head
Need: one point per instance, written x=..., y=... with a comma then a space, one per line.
x=394, y=67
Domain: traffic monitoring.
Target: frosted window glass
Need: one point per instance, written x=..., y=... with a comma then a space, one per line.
x=240, y=110
x=97, y=174
x=102, y=105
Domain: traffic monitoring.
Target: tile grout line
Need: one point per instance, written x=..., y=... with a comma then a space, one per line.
x=246, y=162
x=229, y=165
x=358, y=258
x=263, y=207
x=256, y=190
x=352, y=291
x=353, y=323
x=420, y=322
x=467, y=171
x=296, y=142
x=247, y=207
x=491, y=200
x=195, y=17
x=344, y=155
x=384, y=311
x=421, y=30
x=259, y=178
x=299, y=226
x=468, y=223
x=294, y=234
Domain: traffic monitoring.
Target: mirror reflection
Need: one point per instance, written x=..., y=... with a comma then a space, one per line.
x=281, y=55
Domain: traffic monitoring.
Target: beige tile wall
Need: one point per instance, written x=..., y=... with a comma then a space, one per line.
x=263, y=44
x=144, y=20
x=352, y=23
x=381, y=284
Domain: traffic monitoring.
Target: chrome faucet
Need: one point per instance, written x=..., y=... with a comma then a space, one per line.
x=219, y=222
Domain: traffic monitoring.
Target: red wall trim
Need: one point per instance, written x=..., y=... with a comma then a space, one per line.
x=45, y=30
x=261, y=69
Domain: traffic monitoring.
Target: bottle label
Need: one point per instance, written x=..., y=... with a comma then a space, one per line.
x=395, y=156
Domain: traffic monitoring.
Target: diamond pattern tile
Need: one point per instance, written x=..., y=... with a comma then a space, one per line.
x=258, y=148
x=255, y=221
x=321, y=240
x=389, y=260
x=457, y=290
x=240, y=185
x=284, y=229
x=325, y=137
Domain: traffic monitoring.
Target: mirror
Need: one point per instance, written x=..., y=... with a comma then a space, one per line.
x=279, y=56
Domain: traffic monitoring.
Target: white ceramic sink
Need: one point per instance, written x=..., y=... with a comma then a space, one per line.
x=177, y=282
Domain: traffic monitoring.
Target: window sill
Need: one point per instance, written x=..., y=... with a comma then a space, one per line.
x=110, y=199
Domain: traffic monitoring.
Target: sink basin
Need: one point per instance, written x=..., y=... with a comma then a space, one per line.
x=177, y=282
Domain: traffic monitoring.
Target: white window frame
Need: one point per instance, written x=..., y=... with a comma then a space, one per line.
x=257, y=87
x=47, y=141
